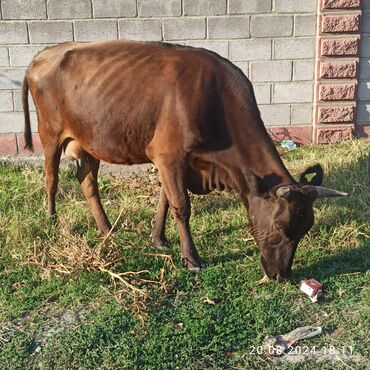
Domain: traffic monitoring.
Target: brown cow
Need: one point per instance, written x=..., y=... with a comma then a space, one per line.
x=190, y=112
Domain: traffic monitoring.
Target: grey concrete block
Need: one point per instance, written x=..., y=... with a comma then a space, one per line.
x=205, y=7
x=17, y=101
x=303, y=70
x=13, y=122
x=219, y=47
x=4, y=58
x=295, y=6
x=296, y=48
x=363, y=113
x=365, y=4
x=114, y=8
x=13, y=33
x=11, y=78
x=249, y=6
x=364, y=69
x=364, y=91
x=244, y=67
x=365, y=24
x=271, y=25
x=184, y=28
x=262, y=93
x=246, y=50
x=231, y=27
x=93, y=30
x=293, y=92
x=301, y=114
x=365, y=47
x=6, y=101
x=50, y=32
x=140, y=29
x=69, y=9
x=275, y=115
x=23, y=9
x=305, y=25
x=159, y=8
x=21, y=56
x=271, y=71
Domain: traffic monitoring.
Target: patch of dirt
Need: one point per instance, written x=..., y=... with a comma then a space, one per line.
x=55, y=321
x=62, y=321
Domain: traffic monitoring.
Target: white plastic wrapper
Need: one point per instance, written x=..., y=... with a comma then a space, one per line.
x=312, y=288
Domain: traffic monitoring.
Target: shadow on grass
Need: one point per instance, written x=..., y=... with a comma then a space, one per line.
x=352, y=261
x=231, y=256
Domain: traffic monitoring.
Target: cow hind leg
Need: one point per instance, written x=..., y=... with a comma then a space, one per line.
x=87, y=174
x=171, y=174
x=52, y=160
x=159, y=224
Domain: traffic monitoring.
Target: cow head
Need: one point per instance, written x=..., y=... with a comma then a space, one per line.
x=281, y=216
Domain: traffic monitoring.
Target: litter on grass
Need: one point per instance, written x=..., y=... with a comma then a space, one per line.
x=312, y=288
x=279, y=344
x=280, y=350
x=288, y=144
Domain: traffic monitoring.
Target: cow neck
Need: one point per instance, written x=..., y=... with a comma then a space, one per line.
x=266, y=163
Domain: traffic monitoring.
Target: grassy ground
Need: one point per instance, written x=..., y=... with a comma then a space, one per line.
x=69, y=299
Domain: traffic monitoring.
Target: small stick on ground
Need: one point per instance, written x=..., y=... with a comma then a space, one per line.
x=125, y=282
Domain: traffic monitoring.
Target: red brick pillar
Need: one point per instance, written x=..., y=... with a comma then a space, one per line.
x=336, y=70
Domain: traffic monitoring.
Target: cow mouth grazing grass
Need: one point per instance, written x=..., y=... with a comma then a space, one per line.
x=168, y=317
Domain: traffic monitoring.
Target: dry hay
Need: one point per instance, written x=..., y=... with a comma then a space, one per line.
x=72, y=254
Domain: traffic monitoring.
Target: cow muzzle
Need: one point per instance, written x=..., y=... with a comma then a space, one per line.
x=273, y=272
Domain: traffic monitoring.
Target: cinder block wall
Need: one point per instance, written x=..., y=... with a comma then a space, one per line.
x=339, y=34
x=363, y=105
x=273, y=41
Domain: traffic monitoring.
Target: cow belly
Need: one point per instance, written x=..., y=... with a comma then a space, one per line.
x=117, y=154
x=114, y=131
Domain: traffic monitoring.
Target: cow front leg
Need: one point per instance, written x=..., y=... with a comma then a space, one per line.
x=159, y=222
x=171, y=175
x=87, y=174
x=52, y=160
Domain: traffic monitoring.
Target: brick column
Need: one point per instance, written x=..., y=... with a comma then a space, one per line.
x=336, y=70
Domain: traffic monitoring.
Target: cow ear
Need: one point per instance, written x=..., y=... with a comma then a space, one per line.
x=255, y=183
x=312, y=176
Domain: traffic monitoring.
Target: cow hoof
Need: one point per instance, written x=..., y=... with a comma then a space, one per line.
x=162, y=247
x=195, y=269
x=193, y=266
x=161, y=244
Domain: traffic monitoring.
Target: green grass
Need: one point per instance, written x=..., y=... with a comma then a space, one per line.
x=207, y=321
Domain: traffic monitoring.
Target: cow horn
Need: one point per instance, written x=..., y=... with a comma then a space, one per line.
x=283, y=191
x=323, y=192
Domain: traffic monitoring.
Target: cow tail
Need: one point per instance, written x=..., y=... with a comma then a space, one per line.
x=26, y=111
